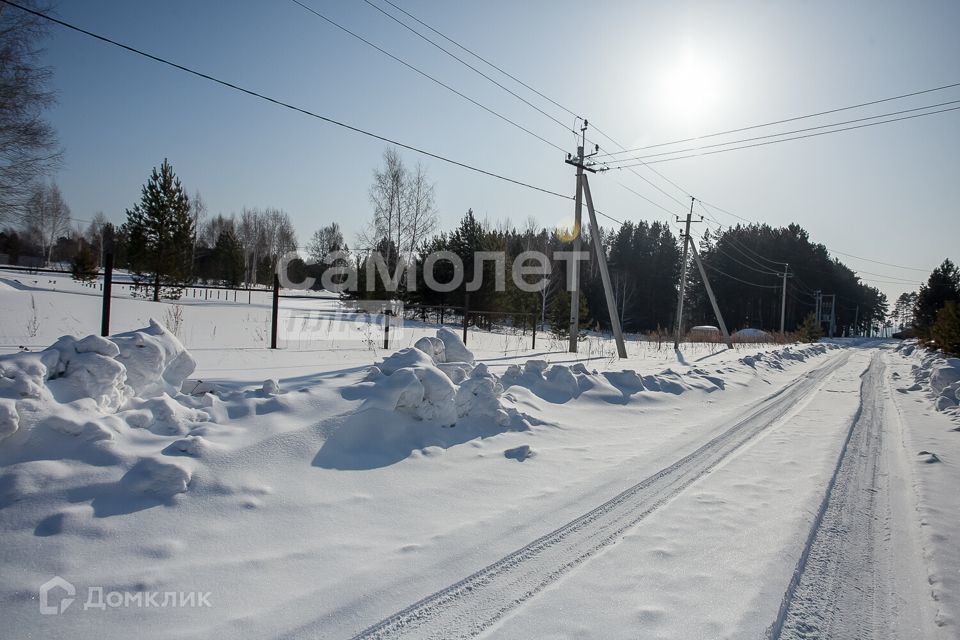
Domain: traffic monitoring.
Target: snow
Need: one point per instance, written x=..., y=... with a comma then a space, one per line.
x=932, y=439
x=317, y=489
x=750, y=334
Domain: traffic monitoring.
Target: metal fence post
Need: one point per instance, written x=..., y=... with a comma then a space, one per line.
x=276, y=311
x=107, y=286
x=386, y=329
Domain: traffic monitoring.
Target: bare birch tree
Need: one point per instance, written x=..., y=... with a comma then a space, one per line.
x=28, y=145
x=47, y=216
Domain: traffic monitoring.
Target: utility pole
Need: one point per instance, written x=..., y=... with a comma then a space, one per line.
x=575, y=264
x=583, y=189
x=713, y=299
x=833, y=314
x=856, y=318
x=604, y=273
x=678, y=323
x=783, y=300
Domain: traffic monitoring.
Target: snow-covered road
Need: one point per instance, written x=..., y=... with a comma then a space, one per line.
x=469, y=606
x=860, y=574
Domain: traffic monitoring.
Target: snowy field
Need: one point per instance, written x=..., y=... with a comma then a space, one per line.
x=332, y=489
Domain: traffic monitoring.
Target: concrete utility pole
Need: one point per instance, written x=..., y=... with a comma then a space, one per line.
x=713, y=299
x=604, y=273
x=833, y=314
x=583, y=189
x=783, y=300
x=678, y=323
x=575, y=264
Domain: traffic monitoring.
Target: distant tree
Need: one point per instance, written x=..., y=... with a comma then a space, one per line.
x=83, y=267
x=11, y=245
x=810, y=330
x=942, y=286
x=560, y=313
x=228, y=259
x=160, y=234
x=388, y=195
x=47, y=216
x=324, y=241
x=421, y=209
x=903, y=309
x=946, y=328
x=94, y=235
x=28, y=145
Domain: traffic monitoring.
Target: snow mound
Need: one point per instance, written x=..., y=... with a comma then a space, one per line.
x=436, y=381
x=94, y=386
x=162, y=415
x=777, y=358
x=155, y=360
x=750, y=334
x=68, y=370
x=937, y=373
x=433, y=347
x=163, y=478
x=453, y=347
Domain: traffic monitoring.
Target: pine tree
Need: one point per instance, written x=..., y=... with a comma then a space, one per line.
x=560, y=313
x=810, y=330
x=946, y=328
x=942, y=286
x=160, y=232
x=228, y=258
x=84, y=265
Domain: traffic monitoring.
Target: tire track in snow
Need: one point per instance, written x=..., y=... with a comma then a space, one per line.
x=469, y=606
x=843, y=584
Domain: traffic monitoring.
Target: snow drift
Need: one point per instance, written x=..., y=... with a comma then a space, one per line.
x=938, y=373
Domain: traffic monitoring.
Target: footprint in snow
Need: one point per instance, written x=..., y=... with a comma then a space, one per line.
x=931, y=457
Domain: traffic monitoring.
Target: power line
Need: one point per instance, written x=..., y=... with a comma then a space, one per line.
x=465, y=63
x=769, y=142
x=639, y=195
x=485, y=61
x=794, y=119
x=888, y=264
x=747, y=252
x=842, y=253
x=425, y=75
x=767, y=272
x=723, y=273
x=281, y=103
x=784, y=133
x=515, y=79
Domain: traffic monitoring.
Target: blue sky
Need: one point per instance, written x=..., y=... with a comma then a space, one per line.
x=644, y=72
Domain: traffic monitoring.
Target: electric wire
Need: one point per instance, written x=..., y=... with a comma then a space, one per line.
x=808, y=135
x=465, y=63
x=515, y=79
x=426, y=75
x=286, y=105
x=785, y=133
x=794, y=119
x=725, y=274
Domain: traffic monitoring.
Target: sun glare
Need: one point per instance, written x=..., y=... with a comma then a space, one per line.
x=690, y=85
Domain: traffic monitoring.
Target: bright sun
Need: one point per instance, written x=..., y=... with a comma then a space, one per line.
x=690, y=86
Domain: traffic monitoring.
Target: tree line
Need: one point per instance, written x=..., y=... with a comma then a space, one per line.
x=932, y=313
x=168, y=242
